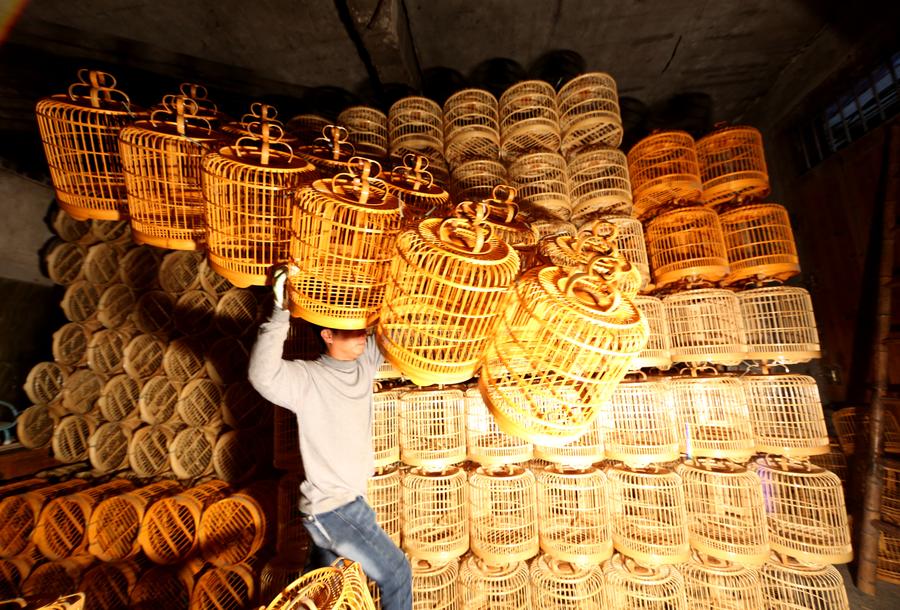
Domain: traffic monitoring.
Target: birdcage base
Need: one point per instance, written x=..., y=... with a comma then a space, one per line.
x=821, y=447
x=655, y=361
x=503, y=558
x=513, y=428
x=641, y=460
x=710, y=273
x=754, y=558
x=339, y=319
x=423, y=372
x=749, y=273
x=186, y=240
x=499, y=452
x=240, y=279
x=817, y=558
x=652, y=560
x=556, y=535
x=783, y=357
x=79, y=211
x=748, y=186
x=657, y=194
x=732, y=358
x=572, y=461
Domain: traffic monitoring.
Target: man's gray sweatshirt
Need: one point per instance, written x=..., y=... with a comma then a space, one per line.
x=333, y=403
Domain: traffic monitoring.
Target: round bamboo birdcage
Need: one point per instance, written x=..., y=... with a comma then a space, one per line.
x=70, y=438
x=101, y=264
x=475, y=180
x=70, y=343
x=542, y=184
x=385, y=427
x=806, y=510
x=573, y=515
x=139, y=269
x=233, y=529
x=277, y=574
x=115, y=306
x=663, y=169
x=179, y=272
x=248, y=190
x=383, y=495
x=108, y=585
x=416, y=191
x=471, y=126
x=65, y=262
x=80, y=133
x=442, y=300
x=658, y=352
x=12, y=573
x=802, y=585
x=503, y=515
x=106, y=351
x=34, y=426
x=850, y=421
x=435, y=517
x=415, y=125
x=342, y=586
x=368, y=130
x=330, y=152
x=888, y=568
x=726, y=511
x=890, y=492
x=81, y=391
x=287, y=441
x=713, y=417
x=589, y=113
x=243, y=407
x=157, y=401
x=80, y=301
x=235, y=456
x=237, y=312
x=70, y=229
x=148, y=451
x=143, y=356
x=193, y=312
x=342, y=241
x=835, y=461
x=306, y=127
x=19, y=514
x=686, y=245
x=199, y=403
x=779, y=324
x=435, y=586
x=184, y=360
x=49, y=582
x=162, y=587
x=153, y=314
x=486, y=444
x=640, y=426
x=432, y=427
x=585, y=450
x=114, y=524
x=114, y=231
x=564, y=342
x=705, y=325
x=291, y=540
x=169, y=530
x=119, y=398
x=211, y=281
x=786, y=413
x=632, y=585
x=529, y=120
x=224, y=588
x=226, y=360
x=191, y=451
x=713, y=583
x=599, y=185
x=648, y=515
x=759, y=243
x=108, y=445
x=483, y=586
x=732, y=165
x=44, y=382
x=558, y=584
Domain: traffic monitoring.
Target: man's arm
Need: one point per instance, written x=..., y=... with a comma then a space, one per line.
x=277, y=380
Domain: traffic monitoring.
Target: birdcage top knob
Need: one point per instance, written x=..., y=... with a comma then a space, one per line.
x=101, y=90
x=355, y=185
x=414, y=172
x=467, y=230
x=335, y=141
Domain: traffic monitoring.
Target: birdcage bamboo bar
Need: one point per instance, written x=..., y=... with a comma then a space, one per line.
x=44, y=382
x=589, y=113
x=383, y=495
x=108, y=585
x=732, y=165
x=779, y=324
x=664, y=169
x=435, y=586
x=80, y=301
x=154, y=312
x=558, y=584
x=148, y=451
x=487, y=586
x=585, y=450
x=108, y=445
x=712, y=583
x=34, y=426
x=543, y=185
x=802, y=585
x=486, y=443
x=759, y=243
x=157, y=400
x=385, y=427
x=235, y=528
x=415, y=189
x=686, y=245
x=503, y=517
x=191, y=451
x=70, y=438
x=786, y=413
x=65, y=262
x=475, y=180
x=599, y=184
x=224, y=588
x=632, y=585
x=471, y=126
x=435, y=517
x=705, y=325
x=640, y=426
x=19, y=514
x=432, y=425
x=368, y=130
x=529, y=120
x=237, y=312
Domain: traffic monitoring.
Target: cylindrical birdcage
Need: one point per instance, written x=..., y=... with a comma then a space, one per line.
x=157, y=400
x=779, y=324
x=243, y=407
x=475, y=180
x=648, y=515
x=108, y=585
x=558, y=584
x=81, y=391
x=108, y=445
x=471, y=126
x=726, y=511
x=503, y=516
x=599, y=185
x=806, y=510
x=705, y=325
x=34, y=426
x=183, y=360
x=732, y=165
x=115, y=231
x=191, y=451
x=70, y=438
x=435, y=524
x=65, y=262
x=713, y=583
x=529, y=120
x=180, y=272
x=631, y=585
x=70, y=343
x=119, y=398
x=276, y=575
x=342, y=586
x=153, y=314
x=442, y=300
x=589, y=113
x=106, y=351
x=236, y=456
x=80, y=133
x=385, y=427
x=573, y=515
x=759, y=243
x=248, y=190
x=306, y=127
x=148, y=451
x=193, y=312
x=657, y=353
x=55, y=579
x=585, y=450
x=686, y=245
x=163, y=587
x=80, y=301
x=786, y=413
x=234, y=529
x=543, y=185
x=69, y=228
x=505, y=586
x=342, y=241
x=383, y=495
x=224, y=588
x=368, y=130
x=19, y=514
x=639, y=423
x=291, y=541
x=432, y=427
x=237, y=312
x=663, y=169
x=630, y=242
x=802, y=585
x=44, y=382
x=115, y=306
x=330, y=152
x=486, y=443
x=415, y=125
x=139, y=269
x=414, y=187
x=200, y=403
x=435, y=586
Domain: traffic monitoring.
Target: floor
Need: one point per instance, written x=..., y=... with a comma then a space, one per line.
x=886, y=598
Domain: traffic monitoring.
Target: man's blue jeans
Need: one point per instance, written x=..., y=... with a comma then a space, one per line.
x=351, y=531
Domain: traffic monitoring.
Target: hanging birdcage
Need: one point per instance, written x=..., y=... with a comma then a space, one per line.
x=543, y=185
x=435, y=586
x=442, y=300
x=415, y=125
x=599, y=185
x=368, y=130
x=640, y=426
x=648, y=515
x=529, y=120
x=70, y=438
x=44, y=382
x=435, y=522
x=581, y=452
x=486, y=444
x=558, y=584
x=34, y=426
x=108, y=585
x=163, y=587
x=383, y=495
x=65, y=262
x=632, y=585
x=503, y=517
x=705, y=325
x=664, y=170
x=191, y=451
x=471, y=126
x=342, y=586
x=483, y=586
x=759, y=243
x=224, y=588
x=713, y=583
x=657, y=353
x=157, y=401
x=589, y=113
x=779, y=324
x=414, y=187
x=148, y=451
x=248, y=188
x=200, y=403
x=154, y=312
x=786, y=413
x=475, y=180
x=108, y=445
x=234, y=529
x=385, y=427
x=686, y=245
x=80, y=133
x=70, y=343
x=237, y=312
x=802, y=585
x=330, y=152
x=732, y=165
x=80, y=301
x=432, y=427
x=19, y=514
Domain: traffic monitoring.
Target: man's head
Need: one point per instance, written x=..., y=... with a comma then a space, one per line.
x=344, y=344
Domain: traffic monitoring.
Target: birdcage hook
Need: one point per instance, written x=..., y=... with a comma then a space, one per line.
x=583, y=285
x=415, y=171
x=183, y=108
x=100, y=85
x=502, y=199
x=360, y=175
x=467, y=229
x=334, y=137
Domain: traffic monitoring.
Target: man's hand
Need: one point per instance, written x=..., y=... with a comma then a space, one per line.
x=279, y=282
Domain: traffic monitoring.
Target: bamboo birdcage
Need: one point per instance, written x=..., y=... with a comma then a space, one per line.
x=235, y=456
x=599, y=185
x=163, y=587
x=368, y=130
x=114, y=231
x=630, y=241
x=119, y=398
x=248, y=191
x=835, y=461
x=415, y=189
x=558, y=584
x=507, y=224
x=193, y=312
x=712, y=583
x=640, y=426
x=589, y=113
x=658, y=352
x=70, y=438
x=287, y=441
x=330, y=152
x=543, y=185
x=191, y=451
x=115, y=306
x=383, y=495
x=705, y=325
x=503, y=515
x=581, y=452
x=148, y=451
x=234, y=529
x=779, y=324
x=80, y=301
x=80, y=134
x=106, y=351
x=291, y=540
x=183, y=360
x=471, y=126
x=888, y=568
x=759, y=243
x=786, y=413
x=154, y=312
x=12, y=573
x=306, y=127
x=415, y=125
x=483, y=586
x=211, y=281
x=435, y=586
x=65, y=262
x=787, y=583
x=432, y=427
x=157, y=400
x=52, y=580
x=686, y=245
x=442, y=300
x=342, y=586
x=179, y=272
x=101, y=265
x=70, y=343
x=44, y=382
x=199, y=403
x=726, y=511
x=277, y=574
x=663, y=169
x=69, y=228
x=226, y=361
x=81, y=391
x=385, y=427
x=139, y=269
x=732, y=165
x=108, y=445
x=648, y=515
x=243, y=407
x=342, y=241
x=224, y=588
x=34, y=426
x=486, y=444
x=632, y=585
x=107, y=586
x=435, y=520
x=237, y=312
x=19, y=514
x=529, y=120
x=475, y=180
x=143, y=356
x=890, y=493
x=850, y=422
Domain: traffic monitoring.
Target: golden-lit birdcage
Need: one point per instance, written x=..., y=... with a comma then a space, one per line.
x=529, y=120
x=153, y=314
x=12, y=573
x=115, y=522
x=226, y=360
x=287, y=441
x=237, y=312
x=101, y=265
x=108, y=585
x=434, y=522
x=648, y=514
x=505, y=586
x=581, y=452
x=341, y=586
x=759, y=243
x=686, y=245
x=432, y=427
x=503, y=515
x=713, y=583
x=786, y=414
x=80, y=301
x=61, y=529
x=657, y=353
x=713, y=417
x=236, y=456
x=80, y=133
x=34, y=426
x=306, y=127
x=475, y=180
x=139, y=268
x=55, y=579
x=435, y=586
x=70, y=229
x=557, y=584
x=200, y=403
x=732, y=165
x=415, y=125
x=106, y=351
x=291, y=540
x=573, y=514
x=599, y=185
x=726, y=511
x=663, y=168
x=330, y=152
x=277, y=574
x=507, y=224
x=632, y=585
x=789, y=583
x=385, y=427
x=564, y=342
x=543, y=185
x=640, y=426
x=779, y=324
x=383, y=495
x=157, y=400
x=248, y=188
x=180, y=272
x=115, y=306
x=191, y=451
x=890, y=492
x=193, y=312
x=442, y=300
x=486, y=443
x=589, y=113
x=169, y=530
x=471, y=126
x=19, y=514
x=416, y=191
x=368, y=130
x=342, y=241
x=148, y=451
x=850, y=422
x=70, y=343
x=70, y=438
x=65, y=262
x=243, y=407
x=630, y=241
x=705, y=325
x=183, y=360
x=44, y=382
x=806, y=510
x=234, y=529
x=224, y=588
x=114, y=231
x=108, y=445
x=889, y=558
x=163, y=587
x=81, y=391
